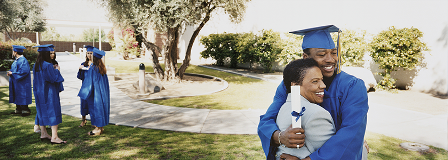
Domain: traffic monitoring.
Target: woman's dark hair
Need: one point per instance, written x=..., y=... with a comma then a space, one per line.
x=295, y=71
x=53, y=61
x=86, y=63
x=100, y=65
x=43, y=56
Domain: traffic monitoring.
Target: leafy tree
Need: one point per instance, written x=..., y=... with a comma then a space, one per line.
x=20, y=17
x=50, y=34
x=92, y=35
x=170, y=17
x=396, y=48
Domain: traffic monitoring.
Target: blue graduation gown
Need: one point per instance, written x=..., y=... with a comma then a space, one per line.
x=60, y=85
x=96, y=86
x=46, y=94
x=84, y=103
x=346, y=100
x=20, y=82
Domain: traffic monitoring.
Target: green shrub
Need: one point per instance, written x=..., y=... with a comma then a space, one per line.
x=269, y=46
x=396, y=48
x=221, y=46
x=353, y=47
x=246, y=46
x=6, y=58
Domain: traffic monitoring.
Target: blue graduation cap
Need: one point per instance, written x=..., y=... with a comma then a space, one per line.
x=17, y=48
x=98, y=53
x=44, y=47
x=89, y=48
x=51, y=47
x=319, y=37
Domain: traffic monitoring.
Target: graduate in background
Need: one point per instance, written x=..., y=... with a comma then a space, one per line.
x=96, y=86
x=20, y=82
x=46, y=93
x=61, y=86
x=83, y=69
x=345, y=99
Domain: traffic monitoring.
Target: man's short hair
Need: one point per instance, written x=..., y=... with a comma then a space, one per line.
x=19, y=53
x=295, y=71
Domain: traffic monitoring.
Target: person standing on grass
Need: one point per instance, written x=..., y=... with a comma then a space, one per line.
x=20, y=82
x=345, y=98
x=95, y=87
x=61, y=86
x=83, y=70
x=46, y=90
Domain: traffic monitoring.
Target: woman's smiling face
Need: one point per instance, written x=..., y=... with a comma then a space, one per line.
x=312, y=87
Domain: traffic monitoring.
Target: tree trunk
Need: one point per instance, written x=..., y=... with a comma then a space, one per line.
x=155, y=59
x=187, y=58
x=171, y=54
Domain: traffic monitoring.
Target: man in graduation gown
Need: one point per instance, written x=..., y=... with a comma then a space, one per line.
x=345, y=98
x=20, y=82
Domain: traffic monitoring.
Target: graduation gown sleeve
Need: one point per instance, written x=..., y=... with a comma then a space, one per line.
x=267, y=125
x=81, y=73
x=346, y=100
x=20, y=82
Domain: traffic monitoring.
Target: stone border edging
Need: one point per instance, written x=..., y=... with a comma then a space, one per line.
x=226, y=84
x=237, y=73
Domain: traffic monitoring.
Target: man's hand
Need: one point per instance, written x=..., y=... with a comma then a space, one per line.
x=285, y=156
x=290, y=139
x=9, y=73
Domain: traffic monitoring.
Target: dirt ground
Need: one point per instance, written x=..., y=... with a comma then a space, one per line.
x=190, y=86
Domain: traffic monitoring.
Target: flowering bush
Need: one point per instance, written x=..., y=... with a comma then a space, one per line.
x=129, y=44
x=110, y=37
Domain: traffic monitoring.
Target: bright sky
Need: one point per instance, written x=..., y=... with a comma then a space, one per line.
x=74, y=16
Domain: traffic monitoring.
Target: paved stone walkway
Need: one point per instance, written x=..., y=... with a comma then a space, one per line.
x=429, y=129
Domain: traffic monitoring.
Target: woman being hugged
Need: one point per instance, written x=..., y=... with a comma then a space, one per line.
x=46, y=93
x=96, y=86
x=83, y=69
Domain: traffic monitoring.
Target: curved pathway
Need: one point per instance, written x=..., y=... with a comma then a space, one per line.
x=129, y=112
x=383, y=117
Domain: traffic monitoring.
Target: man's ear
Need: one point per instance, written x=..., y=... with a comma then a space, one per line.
x=304, y=55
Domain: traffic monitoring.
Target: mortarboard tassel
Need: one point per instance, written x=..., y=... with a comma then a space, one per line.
x=339, y=53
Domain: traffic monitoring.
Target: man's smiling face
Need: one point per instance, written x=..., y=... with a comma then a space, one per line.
x=325, y=58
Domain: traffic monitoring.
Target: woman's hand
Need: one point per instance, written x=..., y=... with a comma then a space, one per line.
x=292, y=140
x=57, y=67
x=81, y=66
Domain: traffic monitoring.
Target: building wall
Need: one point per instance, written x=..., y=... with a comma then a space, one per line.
x=374, y=16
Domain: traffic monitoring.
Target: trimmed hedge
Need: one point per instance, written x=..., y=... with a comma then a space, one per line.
x=243, y=48
x=6, y=58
